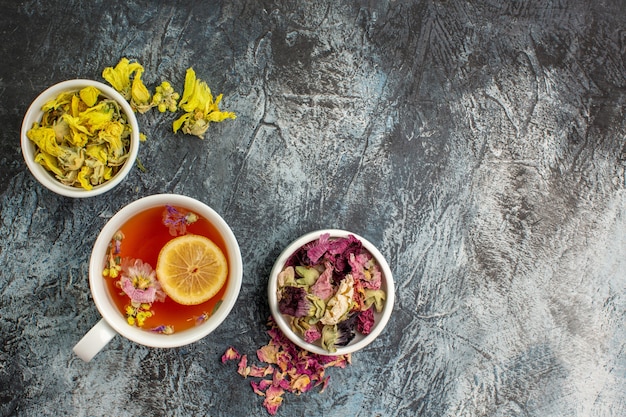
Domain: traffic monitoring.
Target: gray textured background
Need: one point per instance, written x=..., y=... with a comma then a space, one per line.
x=481, y=145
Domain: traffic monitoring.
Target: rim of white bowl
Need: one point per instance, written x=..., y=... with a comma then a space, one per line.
x=106, y=305
x=360, y=341
x=33, y=114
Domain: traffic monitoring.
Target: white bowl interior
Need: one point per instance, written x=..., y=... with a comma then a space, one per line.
x=360, y=340
x=105, y=303
x=34, y=114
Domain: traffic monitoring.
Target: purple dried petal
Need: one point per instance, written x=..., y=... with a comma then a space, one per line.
x=322, y=287
x=291, y=297
x=318, y=248
x=346, y=331
x=365, y=321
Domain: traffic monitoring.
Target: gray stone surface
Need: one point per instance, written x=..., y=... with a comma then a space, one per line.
x=480, y=145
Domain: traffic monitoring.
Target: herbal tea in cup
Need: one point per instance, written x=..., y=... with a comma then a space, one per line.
x=165, y=271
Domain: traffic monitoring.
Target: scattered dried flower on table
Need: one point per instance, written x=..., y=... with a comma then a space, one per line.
x=121, y=76
x=199, y=106
x=230, y=354
x=126, y=78
x=287, y=369
x=141, y=100
x=197, y=101
x=165, y=98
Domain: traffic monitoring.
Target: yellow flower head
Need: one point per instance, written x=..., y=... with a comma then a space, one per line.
x=61, y=100
x=140, y=96
x=120, y=76
x=98, y=152
x=200, y=107
x=165, y=98
x=112, y=134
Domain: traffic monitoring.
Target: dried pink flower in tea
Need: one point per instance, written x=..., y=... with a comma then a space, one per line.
x=177, y=221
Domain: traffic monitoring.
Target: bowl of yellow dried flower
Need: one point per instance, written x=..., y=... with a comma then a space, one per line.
x=331, y=292
x=80, y=138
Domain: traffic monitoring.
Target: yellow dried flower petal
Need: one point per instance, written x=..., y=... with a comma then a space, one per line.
x=120, y=76
x=97, y=152
x=108, y=173
x=83, y=178
x=190, y=84
x=49, y=162
x=61, y=100
x=77, y=132
x=76, y=106
x=112, y=134
x=200, y=107
x=45, y=139
x=178, y=123
x=220, y=116
x=89, y=95
x=95, y=118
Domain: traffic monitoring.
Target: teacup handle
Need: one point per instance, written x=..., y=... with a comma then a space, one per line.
x=95, y=339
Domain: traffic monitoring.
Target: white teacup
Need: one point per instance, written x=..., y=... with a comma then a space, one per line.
x=113, y=322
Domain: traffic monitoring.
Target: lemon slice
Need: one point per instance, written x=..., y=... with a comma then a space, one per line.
x=191, y=269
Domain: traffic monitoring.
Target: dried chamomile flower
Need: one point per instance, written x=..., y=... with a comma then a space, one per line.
x=165, y=98
x=199, y=106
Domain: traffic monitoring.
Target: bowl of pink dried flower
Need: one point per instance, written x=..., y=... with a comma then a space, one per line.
x=331, y=292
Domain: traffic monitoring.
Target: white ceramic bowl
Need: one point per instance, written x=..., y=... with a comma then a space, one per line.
x=359, y=341
x=35, y=113
x=114, y=322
